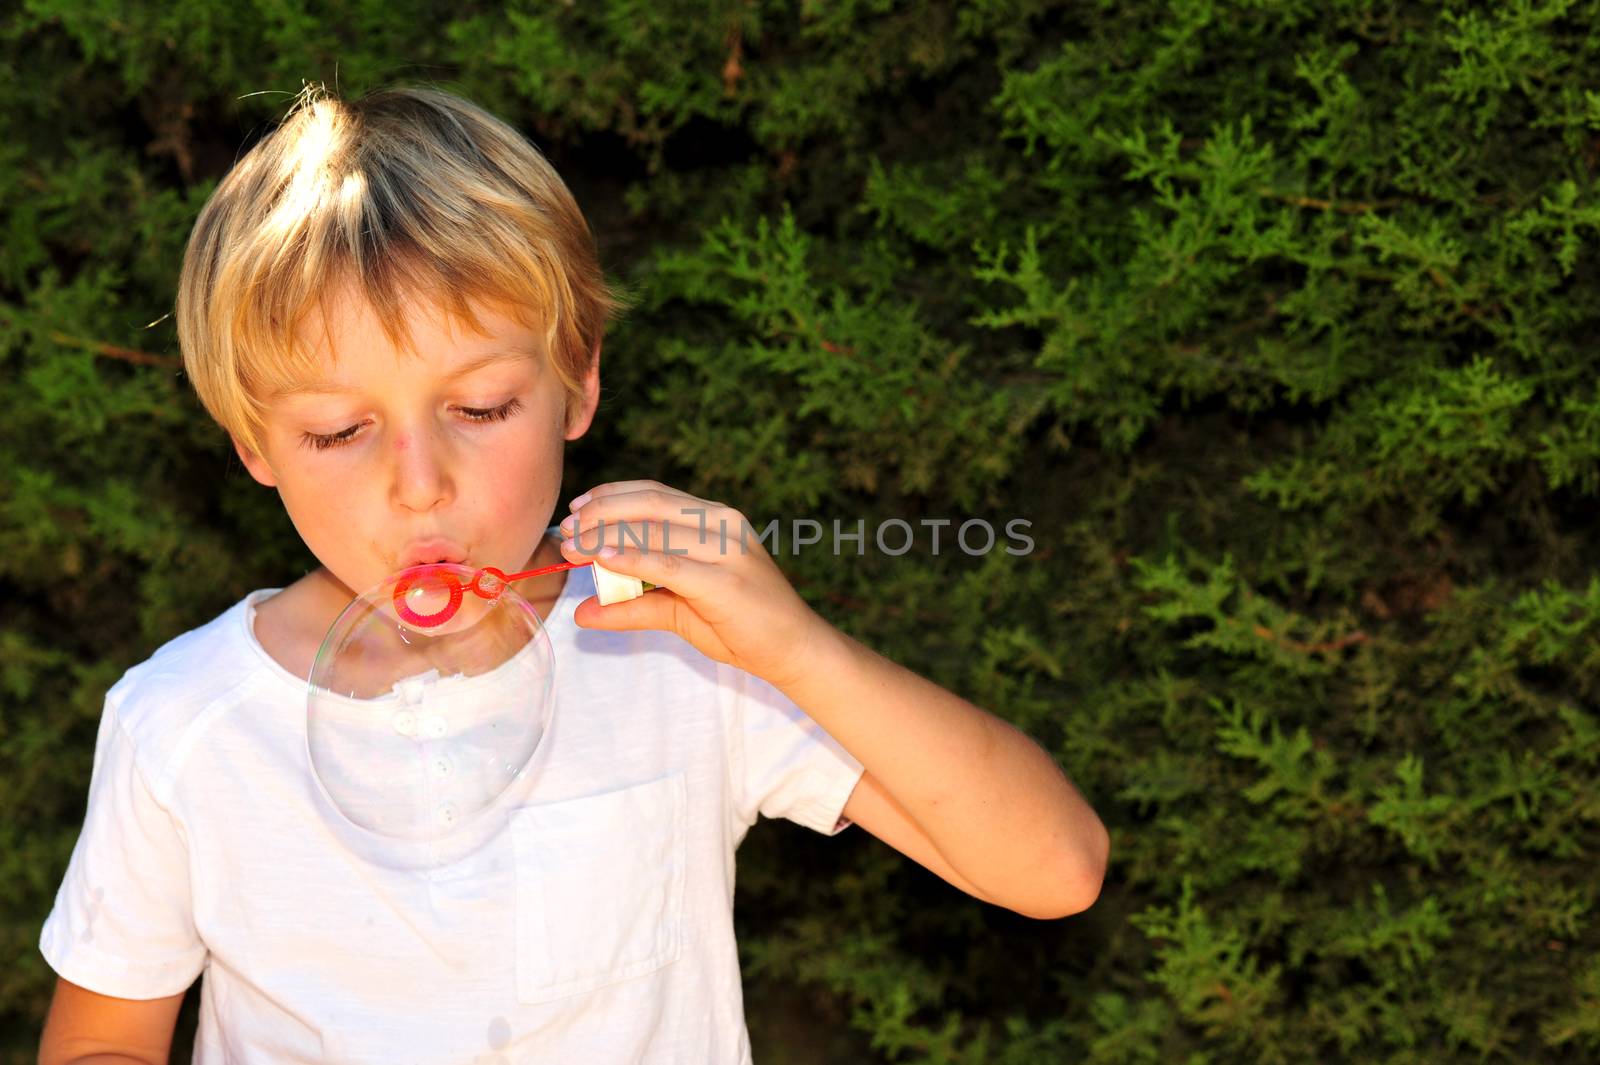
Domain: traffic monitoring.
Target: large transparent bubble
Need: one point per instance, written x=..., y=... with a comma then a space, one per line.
x=427, y=701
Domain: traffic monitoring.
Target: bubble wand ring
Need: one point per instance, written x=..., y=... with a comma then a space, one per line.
x=426, y=577
x=487, y=583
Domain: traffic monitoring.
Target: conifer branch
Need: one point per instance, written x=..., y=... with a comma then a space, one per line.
x=1311, y=648
x=733, y=68
x=113, y=351
x=1341, y=206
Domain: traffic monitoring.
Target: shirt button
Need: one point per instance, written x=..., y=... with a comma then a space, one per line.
x=447, y=813
x=412, y=689
x=433, y=726
x=405, y=723
x=441, y=766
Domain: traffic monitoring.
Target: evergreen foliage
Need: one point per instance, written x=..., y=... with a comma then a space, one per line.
x=1275, y=319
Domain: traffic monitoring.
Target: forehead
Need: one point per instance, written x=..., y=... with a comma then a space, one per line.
x=344, y=320
x=343, y=340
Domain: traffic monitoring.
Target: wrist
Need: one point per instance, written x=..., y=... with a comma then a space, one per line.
x=826, y=656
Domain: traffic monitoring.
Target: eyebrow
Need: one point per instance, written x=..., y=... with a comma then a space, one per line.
x=333, y=388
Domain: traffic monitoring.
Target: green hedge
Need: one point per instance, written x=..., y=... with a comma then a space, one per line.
x=1277, y=320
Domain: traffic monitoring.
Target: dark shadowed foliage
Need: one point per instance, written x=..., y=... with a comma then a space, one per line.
x=1277, y=321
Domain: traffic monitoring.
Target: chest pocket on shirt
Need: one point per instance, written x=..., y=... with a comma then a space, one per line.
x=599, y=888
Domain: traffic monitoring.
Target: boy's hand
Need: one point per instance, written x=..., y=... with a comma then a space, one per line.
x=728, y=599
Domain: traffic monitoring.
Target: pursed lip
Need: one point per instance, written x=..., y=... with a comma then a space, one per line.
x=436, y=549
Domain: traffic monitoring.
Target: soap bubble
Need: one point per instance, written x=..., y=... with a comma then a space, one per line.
x=427, y=701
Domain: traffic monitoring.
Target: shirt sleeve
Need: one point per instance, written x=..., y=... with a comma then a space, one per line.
x=123, y=923
x=782, y=763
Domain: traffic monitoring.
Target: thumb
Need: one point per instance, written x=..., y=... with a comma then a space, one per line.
x=652, y=610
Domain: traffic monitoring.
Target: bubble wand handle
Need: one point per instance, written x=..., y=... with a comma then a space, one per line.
x=612, y=587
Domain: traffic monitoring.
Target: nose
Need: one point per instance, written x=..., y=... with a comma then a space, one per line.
x=421, y=470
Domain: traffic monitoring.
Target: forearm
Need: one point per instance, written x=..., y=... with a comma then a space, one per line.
x=993, y=803
x=66, y=1053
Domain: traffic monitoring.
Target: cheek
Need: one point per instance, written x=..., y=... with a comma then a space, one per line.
x=524, y=477
x=320, y=503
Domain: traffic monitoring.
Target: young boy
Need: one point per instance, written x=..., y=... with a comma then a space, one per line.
x=394, y=308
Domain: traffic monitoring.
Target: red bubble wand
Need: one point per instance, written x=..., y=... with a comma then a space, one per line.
x=488, y=583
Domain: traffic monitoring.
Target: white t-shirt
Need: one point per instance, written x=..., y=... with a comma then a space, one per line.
x=591, y=922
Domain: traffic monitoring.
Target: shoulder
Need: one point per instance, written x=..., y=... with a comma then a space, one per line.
x=159, y=702
x=192, y=667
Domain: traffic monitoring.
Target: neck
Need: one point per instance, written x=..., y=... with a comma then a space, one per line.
x=542, y=592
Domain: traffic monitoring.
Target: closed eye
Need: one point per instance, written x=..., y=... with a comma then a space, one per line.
x=321, y=441
x=493, y=414
x=476, y=415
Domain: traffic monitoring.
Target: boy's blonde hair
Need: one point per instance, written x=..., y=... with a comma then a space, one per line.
x=405, y=193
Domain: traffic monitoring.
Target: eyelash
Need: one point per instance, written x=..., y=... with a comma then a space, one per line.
x=321, y=442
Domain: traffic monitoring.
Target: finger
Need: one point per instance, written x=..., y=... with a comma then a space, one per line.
x=615, y=488
x=692, y=578
x=648, y=500
x=703, y=541
x=649, y=611
x=660, y=609
x=652, y=536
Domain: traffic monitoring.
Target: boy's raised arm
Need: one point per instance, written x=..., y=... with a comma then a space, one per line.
x=946, y=783
x=941, y=774
x=88, y=1028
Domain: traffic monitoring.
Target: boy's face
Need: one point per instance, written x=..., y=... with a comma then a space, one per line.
x=388, y=459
